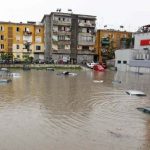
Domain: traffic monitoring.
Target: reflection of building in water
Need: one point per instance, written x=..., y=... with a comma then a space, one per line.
x=98, y=75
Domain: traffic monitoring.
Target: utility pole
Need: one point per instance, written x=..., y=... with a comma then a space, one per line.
x=99, y=47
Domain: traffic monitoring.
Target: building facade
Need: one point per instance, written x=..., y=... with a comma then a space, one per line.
x=109, y=40
x=22, y=39
x=142, y=38
x=69, y=37
x=137, y=59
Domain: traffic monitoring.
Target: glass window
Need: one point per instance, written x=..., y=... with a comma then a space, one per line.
x=38, y=47
x=1, y=28
x=17, y=29
x=2, y=37
x=17, y=46
x=38, y=30
x=124, y=62
x=119, y=61
x=2, y=46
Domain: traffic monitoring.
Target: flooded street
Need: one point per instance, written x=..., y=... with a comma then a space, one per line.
x=44, y=111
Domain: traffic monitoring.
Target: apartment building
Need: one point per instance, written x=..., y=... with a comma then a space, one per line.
x=21, y=39
x=109, y=40
x=69, y=36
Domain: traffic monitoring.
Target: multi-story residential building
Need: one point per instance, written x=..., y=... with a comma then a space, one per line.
x=109, y=40
x=69, y=36
x=21, y=39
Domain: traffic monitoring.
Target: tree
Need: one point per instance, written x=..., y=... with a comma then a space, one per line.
x=6, y=57
x=26, y=56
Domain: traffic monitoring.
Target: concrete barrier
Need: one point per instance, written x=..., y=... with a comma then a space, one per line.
x=35, y=66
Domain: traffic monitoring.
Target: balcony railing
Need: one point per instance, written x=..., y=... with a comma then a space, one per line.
x=27, y=33
x=57, y=22
x=62, y=32
x=86, y=42
x=86, y=24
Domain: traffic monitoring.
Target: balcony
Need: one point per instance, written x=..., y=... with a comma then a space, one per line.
x=86, y=51
x=139, y=63
x=27, y=33
x=38, y=51
x=64, y=42
x=26, y=51
x=86, y=24
x=62, y=32
x=86, y=42
x=62, y=51
x=64, y=23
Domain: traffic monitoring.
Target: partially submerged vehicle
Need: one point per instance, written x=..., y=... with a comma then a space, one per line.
x=135, y=92
x=67, y=73
x=15, y=75
x=98, y=68
x=116, y=81
x=91, y=65
x=50, y=69
x=5, y=75
x=144, y=109
x=26, y=67
x=98, y=81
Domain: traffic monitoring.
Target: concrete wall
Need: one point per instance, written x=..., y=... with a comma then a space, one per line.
x=126, y=61
x=124, y=55
x=47, y=37
x=88, y=58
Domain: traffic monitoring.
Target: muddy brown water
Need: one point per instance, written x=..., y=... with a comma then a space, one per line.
x=44, y=111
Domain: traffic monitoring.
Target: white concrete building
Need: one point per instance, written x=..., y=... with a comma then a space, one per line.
x=130, y=60
x=137, y=59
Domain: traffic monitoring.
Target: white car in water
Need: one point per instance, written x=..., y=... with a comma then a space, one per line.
x=91, y=65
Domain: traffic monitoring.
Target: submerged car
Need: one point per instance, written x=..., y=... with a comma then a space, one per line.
x=91, y=65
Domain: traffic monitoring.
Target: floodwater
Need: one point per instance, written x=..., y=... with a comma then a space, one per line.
x=44, y=111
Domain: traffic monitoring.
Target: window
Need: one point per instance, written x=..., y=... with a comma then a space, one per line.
x=61, y=37
x=17, y=29
x=18, y=56
x=60, y=28
x=124, y=62
x=2, y=46
x=2, y=37
x=61, y=46
x=85, y=47
x=119, y=61
x=17, y=46
x=17, y=38
x=37, y=39
x=38, y=30
x=68, y=20
x=1, y=28
x=26, y=29
x=38, y=47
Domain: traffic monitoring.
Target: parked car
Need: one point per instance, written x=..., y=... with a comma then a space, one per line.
x=49, y=61
x=17, y=61
x=91, y=65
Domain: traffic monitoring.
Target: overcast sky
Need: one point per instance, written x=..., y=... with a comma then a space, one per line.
x=113, y=13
